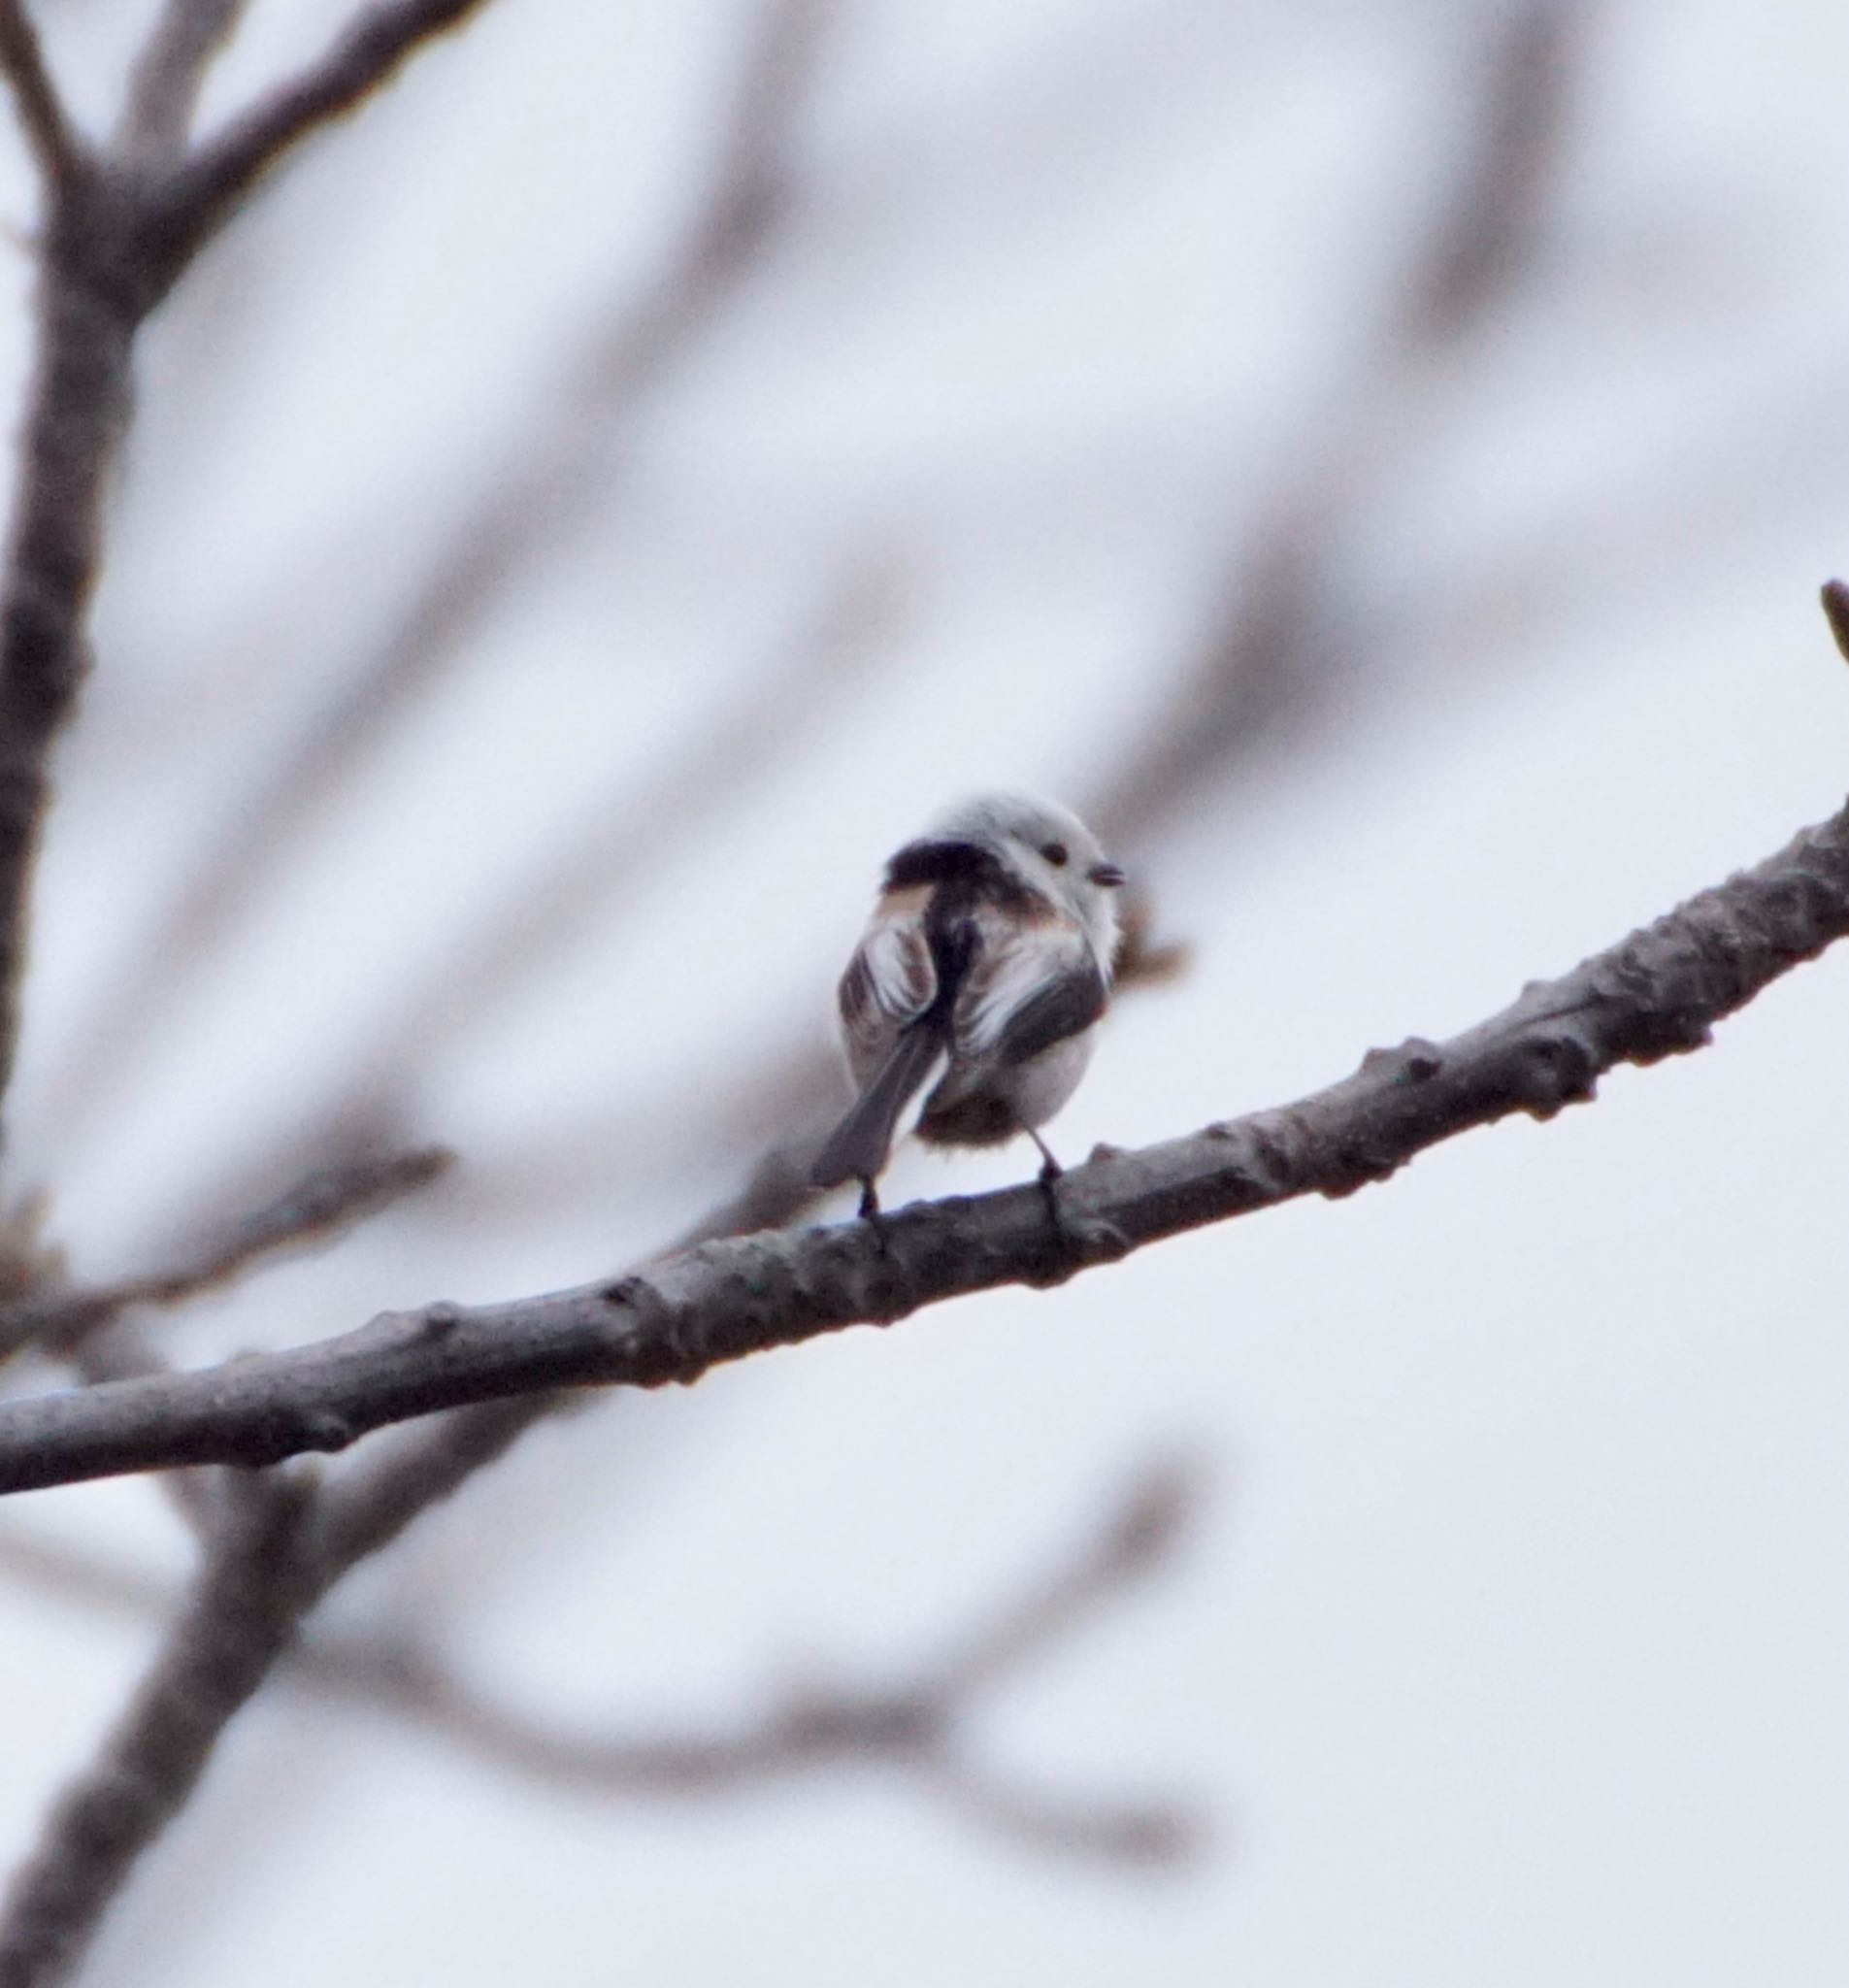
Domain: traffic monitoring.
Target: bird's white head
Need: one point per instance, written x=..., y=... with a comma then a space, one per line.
x=1050, y=849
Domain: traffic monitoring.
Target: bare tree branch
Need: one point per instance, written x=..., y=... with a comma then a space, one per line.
x=1149, y=1834
x=916, y=1727
x=1653, y=995
x=354, y=1518
x=1270, y=662
x=204, y=191
x=315, y=1208
x=368, y=1510
x=544, y=911
x=537, y=490
x=240, y=1616
x=1139, y=1534
x=1485, y=239
x=164, y=90
x=111, y=251
x=88, y=307
x=48, y=131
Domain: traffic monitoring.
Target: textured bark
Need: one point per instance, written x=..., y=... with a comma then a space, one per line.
x=1653, y=995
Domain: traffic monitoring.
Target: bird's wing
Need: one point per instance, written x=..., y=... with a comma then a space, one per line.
x=889, y=981
x=1031, y=986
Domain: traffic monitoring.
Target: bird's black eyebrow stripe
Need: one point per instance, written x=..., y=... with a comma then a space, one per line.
x=949, y=862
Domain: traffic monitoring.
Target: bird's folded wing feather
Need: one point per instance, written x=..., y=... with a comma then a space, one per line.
x=889, y=981
x=1030, y=988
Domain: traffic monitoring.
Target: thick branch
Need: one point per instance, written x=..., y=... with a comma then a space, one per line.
x=1653, y=995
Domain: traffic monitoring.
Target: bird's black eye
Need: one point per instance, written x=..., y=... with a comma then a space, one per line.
x=1057, y=854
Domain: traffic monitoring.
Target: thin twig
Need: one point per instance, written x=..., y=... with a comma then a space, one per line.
x=540, y=488
x=918, y=1726
x=47, y=130
x=582, y=886
x=1655, y=994
x=163, y=92
x=202, y=193
x=1835, y=600
x=91, y=1332
x=1268, y=669
x=1141, y=1532
x=315, y=1208
x=111, y=250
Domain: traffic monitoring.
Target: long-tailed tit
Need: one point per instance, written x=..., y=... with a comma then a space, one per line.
x=985, y=964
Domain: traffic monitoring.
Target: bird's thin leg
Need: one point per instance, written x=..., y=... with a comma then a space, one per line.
x=1051, y=1171
x=869, y=1214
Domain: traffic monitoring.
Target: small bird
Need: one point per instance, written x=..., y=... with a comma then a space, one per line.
x=985, y=963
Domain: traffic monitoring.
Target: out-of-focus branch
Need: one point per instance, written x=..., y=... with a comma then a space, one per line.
x=543, y=913
x=107, y=261
x=918, y=1726
x=544, y=487
x=203, y=192
x=1139, y=1533
x=240, y=1617
x=314, y=1209
x=350, y=1521
x=42, y=116
x=92, y=1331
x=1835, y=600
x=549, y=911
x=1271, y=660
x=163, y=92
x=76, y=411
x=1653, y=995
x=110, y=249
x=1503, y=181
x=367, y=1510
x=383, y=1498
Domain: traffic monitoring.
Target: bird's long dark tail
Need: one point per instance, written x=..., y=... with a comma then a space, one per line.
x=858, y=1146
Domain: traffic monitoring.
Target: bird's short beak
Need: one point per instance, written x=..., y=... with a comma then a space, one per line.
x=1107, y=874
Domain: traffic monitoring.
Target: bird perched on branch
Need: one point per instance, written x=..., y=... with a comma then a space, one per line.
x=985, y=965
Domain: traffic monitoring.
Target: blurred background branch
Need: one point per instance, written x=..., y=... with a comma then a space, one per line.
x=317, y=1208
x=168, y=75
x=1278, y=663
x=524, y=507
x=918, y=1728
